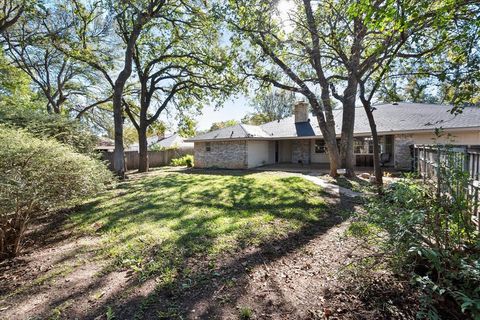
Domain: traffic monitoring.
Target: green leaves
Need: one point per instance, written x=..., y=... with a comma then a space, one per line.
x=43, y=125
x=429, y=241
x=37, y=175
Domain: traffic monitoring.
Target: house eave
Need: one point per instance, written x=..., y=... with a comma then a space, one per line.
x=357, y=134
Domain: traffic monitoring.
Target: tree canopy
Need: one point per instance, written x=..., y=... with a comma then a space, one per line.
x=107, y=63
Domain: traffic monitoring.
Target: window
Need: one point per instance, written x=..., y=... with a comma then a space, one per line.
x=389, y=144
x=363, y=145
x=358, y=145
x=319, y=146
x=208, y=146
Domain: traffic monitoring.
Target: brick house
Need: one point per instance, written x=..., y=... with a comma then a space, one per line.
x=297, y=139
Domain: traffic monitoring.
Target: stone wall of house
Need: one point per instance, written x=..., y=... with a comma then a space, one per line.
x=402, y=151
x=222, y=154
x=301, y=151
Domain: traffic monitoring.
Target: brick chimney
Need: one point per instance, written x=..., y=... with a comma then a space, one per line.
x=301, y=111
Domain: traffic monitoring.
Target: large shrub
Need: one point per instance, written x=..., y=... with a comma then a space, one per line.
x=44, y=125
x=431, y=238
x=38, y=175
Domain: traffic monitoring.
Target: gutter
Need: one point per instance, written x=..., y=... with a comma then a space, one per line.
x=360, y=134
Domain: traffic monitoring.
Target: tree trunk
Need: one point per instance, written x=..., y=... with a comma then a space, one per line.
x=143, y=165
x=118, y=153
x=376, y=147
x=49, y=108
x=12, y=232
x=331, y=143
x=348, y=123
x=333, y=157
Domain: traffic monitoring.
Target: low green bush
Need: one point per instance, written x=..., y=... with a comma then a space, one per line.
x=39, y=175
x=183, y=161
x=430, y=238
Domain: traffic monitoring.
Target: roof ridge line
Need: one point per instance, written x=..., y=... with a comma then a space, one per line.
x=259, y=127
x=247, y=134
x=243, y=128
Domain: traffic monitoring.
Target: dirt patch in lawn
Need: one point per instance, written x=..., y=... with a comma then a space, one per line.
x=306, y=274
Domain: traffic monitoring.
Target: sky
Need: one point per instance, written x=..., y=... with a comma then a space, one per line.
x=235, y=108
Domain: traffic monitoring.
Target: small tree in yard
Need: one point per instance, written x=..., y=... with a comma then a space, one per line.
x=37, y=176
x=187, y=127
x=179, y=63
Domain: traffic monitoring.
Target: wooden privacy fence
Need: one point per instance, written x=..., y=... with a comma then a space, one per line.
x=453, y=170
x=156, y=158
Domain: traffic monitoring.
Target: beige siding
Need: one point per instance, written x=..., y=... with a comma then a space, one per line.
x=271, y=152
x=257, y=153
x=285, y=151
x=448, y=137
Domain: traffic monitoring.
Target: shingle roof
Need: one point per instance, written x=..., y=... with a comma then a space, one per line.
x=150, y=141
x=389, y=118
x=175, y=140
x=239, y=131
x=415, y=117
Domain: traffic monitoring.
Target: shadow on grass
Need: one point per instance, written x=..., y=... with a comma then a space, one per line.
x=197, y=290
x=235, y=208
x=174, y=227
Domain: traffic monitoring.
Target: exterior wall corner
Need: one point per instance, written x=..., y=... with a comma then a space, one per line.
x=402, y=151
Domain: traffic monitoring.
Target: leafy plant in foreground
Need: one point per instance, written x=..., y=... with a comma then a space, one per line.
x=429, y=238
x=38, y=175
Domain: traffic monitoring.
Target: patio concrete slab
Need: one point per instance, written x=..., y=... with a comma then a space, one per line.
x=332, y=188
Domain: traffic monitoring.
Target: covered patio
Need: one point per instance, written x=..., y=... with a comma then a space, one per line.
x=318, y=168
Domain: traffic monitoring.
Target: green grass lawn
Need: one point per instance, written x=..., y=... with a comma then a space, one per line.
x=152, y=224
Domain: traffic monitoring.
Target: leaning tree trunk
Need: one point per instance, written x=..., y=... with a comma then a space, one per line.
x=331, y=143
x=376, y=146
x=326, y=123
x=118, y=155
x=143, y=164
x=346, y=142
